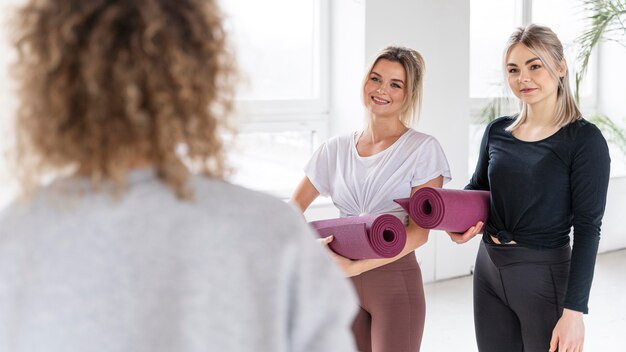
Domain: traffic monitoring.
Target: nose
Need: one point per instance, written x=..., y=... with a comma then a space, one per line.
x=524, y=77
x=380, y=90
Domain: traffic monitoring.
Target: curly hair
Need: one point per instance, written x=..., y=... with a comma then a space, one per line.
x=107, y=84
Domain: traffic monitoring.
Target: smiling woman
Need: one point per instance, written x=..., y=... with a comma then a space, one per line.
x=363, y=172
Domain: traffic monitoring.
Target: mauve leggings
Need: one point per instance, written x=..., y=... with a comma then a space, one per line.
x=518, y=296
x=392, y=313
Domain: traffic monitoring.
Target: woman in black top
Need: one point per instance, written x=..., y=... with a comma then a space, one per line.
x=547, y=170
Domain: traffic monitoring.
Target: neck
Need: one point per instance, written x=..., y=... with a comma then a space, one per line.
x=380, y=128
x=541, y=113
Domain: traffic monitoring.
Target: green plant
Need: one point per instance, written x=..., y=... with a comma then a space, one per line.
x=607, y=22
x=494, y=108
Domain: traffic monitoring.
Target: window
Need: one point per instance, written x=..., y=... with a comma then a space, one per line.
x=283, y=102
x=281, y=53
x=491, y=21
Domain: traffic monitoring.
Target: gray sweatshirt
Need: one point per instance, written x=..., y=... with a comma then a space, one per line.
x=233, y=270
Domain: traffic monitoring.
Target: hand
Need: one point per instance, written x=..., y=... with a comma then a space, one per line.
x=569, y=333
x=348, y=266
x=468, y=235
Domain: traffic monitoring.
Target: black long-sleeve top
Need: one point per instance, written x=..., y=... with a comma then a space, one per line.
x=540, y=189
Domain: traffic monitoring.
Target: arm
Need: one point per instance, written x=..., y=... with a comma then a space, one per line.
x=589, y=184
x=304, y=194
x=415, y=237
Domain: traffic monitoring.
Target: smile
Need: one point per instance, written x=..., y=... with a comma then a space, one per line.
x=527, y=90
x=380, y=101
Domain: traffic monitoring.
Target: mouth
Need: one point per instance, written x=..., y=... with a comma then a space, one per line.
x=527, y=90
x=379, y=101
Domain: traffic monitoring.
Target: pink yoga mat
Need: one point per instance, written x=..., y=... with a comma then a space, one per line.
x=364, y=237
x=452, y=210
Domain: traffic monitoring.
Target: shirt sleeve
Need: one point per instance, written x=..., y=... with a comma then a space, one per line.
x=431, y=162
x=589, y=184
x=317, y=170
x=322, y=302
x=480, y=179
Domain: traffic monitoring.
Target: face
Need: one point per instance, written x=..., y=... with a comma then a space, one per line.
x=385, y=89
x=529, y=78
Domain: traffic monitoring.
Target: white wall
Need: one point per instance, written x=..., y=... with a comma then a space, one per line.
x=611, y=96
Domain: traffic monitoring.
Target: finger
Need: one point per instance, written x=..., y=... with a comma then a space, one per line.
x=453, y=236
x=327, y=240
x=553, y=342
x=469, y=234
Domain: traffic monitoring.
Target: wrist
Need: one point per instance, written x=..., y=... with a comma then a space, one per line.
x=572, y=313
x=356, y=267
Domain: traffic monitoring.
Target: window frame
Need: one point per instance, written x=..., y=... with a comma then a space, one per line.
x=587, y=104
x=253, y=112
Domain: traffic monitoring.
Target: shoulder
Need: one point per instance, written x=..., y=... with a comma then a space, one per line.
x=340, y=141
x=501, y=123
x=415, y=140
x=245, y=207
x=586, y=135
x=420, y=138
x=583, y=132
x=212, y=192
x=583, y=127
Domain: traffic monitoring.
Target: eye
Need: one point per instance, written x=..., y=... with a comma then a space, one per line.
x=513, y=70
x=375, y=79
x=535, y=67
x=396, y=85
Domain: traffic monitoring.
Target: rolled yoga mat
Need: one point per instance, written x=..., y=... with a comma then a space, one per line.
x=364, y=237
x=452, y=210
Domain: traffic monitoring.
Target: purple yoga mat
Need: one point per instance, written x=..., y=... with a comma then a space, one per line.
x=452, y=210
x=364, y=237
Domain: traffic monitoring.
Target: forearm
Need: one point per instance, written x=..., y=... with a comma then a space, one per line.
x=415, y=238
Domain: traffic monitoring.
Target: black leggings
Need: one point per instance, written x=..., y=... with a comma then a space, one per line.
x=518, y=296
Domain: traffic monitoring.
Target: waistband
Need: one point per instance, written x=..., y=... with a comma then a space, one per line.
x=408, y=262
x=509, y=254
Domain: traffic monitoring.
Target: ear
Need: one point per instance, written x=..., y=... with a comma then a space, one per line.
x=562, y=69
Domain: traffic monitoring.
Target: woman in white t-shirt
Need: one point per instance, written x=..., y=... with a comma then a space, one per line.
x=363, y=172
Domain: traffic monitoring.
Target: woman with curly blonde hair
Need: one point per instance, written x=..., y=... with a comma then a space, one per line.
x=130, y=239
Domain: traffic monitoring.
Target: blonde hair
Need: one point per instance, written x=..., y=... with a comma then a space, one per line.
x=106, y=83
x=413, y=64
x=545, y=44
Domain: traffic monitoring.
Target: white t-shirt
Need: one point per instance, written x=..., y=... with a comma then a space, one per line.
x=368, y=185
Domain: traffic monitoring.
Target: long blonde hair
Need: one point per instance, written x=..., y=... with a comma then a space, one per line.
x=104, y=83
x=545, y=44
x=413, y=64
